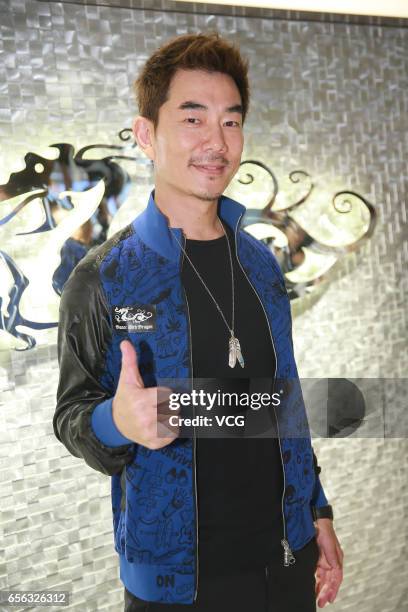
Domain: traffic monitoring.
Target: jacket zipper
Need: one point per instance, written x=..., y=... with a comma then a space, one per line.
x=288, y=557
x=194, y=437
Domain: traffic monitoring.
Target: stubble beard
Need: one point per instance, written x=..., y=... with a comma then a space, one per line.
x=207, y=195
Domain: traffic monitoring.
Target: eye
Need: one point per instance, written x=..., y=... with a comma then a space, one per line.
x=237, y=123
x=191, y=119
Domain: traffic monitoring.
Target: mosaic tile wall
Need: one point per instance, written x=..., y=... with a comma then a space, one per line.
x=329, y=98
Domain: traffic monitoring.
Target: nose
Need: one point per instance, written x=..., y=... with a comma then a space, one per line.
x=215, y=140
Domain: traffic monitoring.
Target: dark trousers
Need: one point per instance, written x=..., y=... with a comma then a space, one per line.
x=274, y=588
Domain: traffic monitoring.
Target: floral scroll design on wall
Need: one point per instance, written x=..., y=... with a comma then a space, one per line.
x=308, y=235
x=76, y=200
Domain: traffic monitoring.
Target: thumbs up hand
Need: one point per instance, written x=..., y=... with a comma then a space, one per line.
x=141, y=414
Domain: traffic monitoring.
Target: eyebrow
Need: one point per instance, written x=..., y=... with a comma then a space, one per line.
x=236, y=108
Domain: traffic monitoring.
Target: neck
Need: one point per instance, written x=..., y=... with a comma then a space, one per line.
x=196, y=216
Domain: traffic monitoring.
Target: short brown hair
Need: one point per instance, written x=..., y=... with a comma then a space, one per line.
x=207, y=51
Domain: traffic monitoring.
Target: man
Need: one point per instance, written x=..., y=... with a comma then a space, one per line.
x=183, y=293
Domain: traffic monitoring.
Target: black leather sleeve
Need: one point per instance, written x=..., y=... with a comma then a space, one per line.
x=84, y=332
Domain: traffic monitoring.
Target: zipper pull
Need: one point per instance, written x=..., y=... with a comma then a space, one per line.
x=288, y=557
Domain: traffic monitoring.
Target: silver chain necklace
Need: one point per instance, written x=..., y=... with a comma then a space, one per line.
x=234, y=347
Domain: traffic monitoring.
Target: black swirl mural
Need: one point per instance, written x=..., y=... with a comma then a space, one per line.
x=80, y=197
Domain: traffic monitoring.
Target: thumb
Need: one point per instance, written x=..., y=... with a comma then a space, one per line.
x=129, y=372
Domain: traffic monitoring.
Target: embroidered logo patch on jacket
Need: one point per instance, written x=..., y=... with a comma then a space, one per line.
x=137, y=318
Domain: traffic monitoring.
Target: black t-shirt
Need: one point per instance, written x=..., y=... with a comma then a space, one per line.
x=239, y=480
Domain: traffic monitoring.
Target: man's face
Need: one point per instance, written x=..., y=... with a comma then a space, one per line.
x=198, y=142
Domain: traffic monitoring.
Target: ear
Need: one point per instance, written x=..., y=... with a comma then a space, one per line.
x=143, y=132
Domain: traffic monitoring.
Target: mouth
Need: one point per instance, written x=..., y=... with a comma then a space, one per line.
x=210, y=169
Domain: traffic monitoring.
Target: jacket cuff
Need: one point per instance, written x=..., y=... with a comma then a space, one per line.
x=319, y=498
x=104, y=426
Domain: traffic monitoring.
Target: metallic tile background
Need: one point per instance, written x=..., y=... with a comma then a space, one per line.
x=329, y=98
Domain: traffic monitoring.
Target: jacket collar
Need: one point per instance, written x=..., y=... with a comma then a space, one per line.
x=152, y=227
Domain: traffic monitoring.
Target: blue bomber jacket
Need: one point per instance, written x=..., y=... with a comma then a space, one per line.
x=154, y=515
